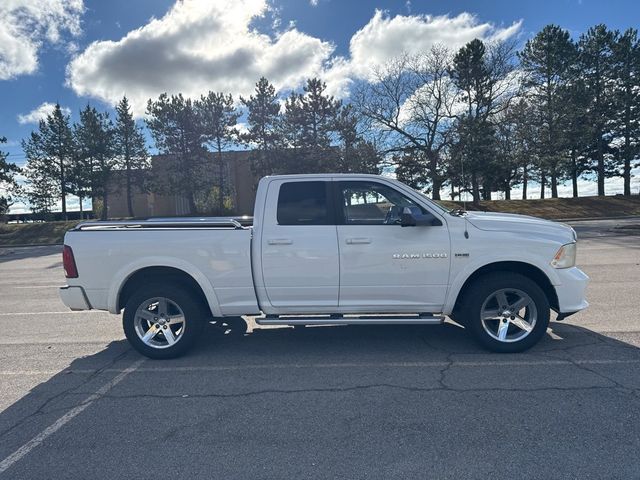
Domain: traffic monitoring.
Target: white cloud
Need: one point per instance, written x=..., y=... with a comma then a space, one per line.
x=197, y=46
x=384, y=38
x=39, y=113
x=25, y=25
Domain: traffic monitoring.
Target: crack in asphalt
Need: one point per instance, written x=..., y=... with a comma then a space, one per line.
x=562, y=353
x=358, y=388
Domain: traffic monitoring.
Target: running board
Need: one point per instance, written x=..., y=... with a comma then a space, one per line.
x=351, y=320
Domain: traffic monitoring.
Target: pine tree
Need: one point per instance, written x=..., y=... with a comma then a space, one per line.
x=482, y=77
x=356, y=155
x=174, y=125
x=219, y=119
x=546, y=61
x=131, y=151
x=49, y=153
x=309, y=124
x=8, y=183
x=626, y=120
x=263, y=133
x=94, y=137
x=578, y=131
x=595, y=56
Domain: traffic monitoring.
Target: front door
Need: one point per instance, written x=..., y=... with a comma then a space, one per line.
x=300, y=247
x=384, y=266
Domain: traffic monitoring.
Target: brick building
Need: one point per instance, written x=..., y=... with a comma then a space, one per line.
x=238, y=177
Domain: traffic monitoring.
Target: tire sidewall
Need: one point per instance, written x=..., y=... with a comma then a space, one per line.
x=486, y=285
x=188, y=303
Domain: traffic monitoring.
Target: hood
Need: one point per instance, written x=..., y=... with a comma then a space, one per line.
x=508, y=222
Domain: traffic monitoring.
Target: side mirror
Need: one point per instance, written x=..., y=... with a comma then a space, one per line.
x=411, y=218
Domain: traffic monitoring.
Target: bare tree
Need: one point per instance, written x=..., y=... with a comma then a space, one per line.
x=410, y=100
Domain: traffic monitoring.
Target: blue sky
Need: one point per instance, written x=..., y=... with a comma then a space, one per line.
x=75, y=51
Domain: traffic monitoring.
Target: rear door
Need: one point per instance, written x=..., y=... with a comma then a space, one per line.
x=383, y=266
x=299, y=246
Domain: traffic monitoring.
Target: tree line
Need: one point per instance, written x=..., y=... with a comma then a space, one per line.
x=488, y=118
x=485, y=118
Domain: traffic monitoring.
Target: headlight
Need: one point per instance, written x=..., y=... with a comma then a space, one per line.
x=566, y=256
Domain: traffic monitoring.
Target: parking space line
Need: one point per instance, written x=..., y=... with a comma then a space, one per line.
x=66, y=418
x=218, y=368
x=5, y=314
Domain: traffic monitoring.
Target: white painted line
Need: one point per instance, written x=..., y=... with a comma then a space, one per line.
x=66, y=418
x=219, y=368
x=5, y=314
x=35, y=286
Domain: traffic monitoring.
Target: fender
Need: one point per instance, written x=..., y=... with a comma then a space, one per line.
x=461, y=277
x=125, y=272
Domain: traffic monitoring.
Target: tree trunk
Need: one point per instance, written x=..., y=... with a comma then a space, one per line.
x=626, y=169
x=600, y=159
x=507, y=192
x=525, y=181
x=80, y=202
x=129, y=195
x=63, y=189
x=105, y=204
x=475, y=189
x=574, y=174
x=626, y=174
x=437, y=185
x=221, y=180
x=486, y=191
x=554, y=183
x=192, y=203
x=542, y=184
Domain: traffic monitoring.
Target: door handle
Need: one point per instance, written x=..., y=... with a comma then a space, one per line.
x=279, y=241
x=358, y=240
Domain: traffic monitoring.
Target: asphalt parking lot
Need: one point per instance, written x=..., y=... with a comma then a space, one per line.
x=321, y=402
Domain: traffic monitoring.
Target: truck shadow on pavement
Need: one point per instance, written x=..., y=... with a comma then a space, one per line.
x=334, y=375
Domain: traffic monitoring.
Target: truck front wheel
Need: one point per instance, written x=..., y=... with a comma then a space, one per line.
x=507, y=312
x=162, y=321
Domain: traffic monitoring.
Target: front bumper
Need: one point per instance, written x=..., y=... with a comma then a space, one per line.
x=74, y=298
x=571, y=290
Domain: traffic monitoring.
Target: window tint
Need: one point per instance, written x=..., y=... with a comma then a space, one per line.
x=303, y=203
x=371, y=203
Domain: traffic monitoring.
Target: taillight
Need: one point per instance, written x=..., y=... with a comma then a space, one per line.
x=69, y=263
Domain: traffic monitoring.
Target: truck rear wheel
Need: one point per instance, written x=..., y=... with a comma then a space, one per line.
x=162, y=321
x=507, y=312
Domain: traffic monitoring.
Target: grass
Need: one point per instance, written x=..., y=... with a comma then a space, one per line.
x=34, y=233
x=562, y=208
x=552, y=208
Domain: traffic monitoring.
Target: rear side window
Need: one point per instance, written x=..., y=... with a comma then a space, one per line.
x=303, y=203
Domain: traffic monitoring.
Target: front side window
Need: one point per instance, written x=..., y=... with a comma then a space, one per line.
x=303, y=203
x=372, y=203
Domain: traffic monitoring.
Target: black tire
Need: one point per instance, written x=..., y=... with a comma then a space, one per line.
x=483, y=289
x=194, y=319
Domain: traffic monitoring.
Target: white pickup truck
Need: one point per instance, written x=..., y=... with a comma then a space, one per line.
x=328, y=249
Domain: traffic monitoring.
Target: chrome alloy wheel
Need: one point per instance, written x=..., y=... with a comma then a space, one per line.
x=508, y=315
x=159, y=322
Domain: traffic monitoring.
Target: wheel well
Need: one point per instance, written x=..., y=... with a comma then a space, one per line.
x=526, y=269
x=167, y=275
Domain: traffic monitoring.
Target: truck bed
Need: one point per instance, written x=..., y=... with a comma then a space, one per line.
x=216, y=252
